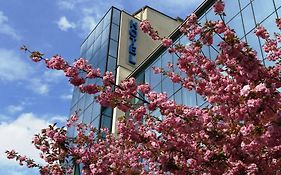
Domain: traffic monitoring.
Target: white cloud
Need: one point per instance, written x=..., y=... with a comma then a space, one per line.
x=66, y=97
x=15, y=68
x=22, y=130
x=58, y=118
x=53, y=75
x=88, y=23
x=14, y=108
x=5, y=28
x=3, y=117
x=12, y=67
x=64, y=24
x=88, y=12
x=39, y=87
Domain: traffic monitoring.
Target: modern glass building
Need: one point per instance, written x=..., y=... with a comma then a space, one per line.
x=117, y=45
x=110, y=47
x=100, y=49
x=241, y=15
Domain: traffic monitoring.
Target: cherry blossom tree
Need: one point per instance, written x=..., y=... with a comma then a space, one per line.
x=239, y=132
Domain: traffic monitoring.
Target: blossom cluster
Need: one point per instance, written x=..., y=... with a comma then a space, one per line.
x=237, y=132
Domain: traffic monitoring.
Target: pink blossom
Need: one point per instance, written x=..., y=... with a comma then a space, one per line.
x=167, y=42
x=77, y=81
x=80, y=63
x=245, y=90
x=56, y=62
x=261, y=32
x=218, y=7
x=72, y=120
x=89, y=89
x=261, y=88
x=144, y=88
x=157, y=70
x=71, y=72
x=94, y=73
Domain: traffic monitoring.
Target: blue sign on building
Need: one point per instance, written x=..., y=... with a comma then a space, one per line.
x=133, y=32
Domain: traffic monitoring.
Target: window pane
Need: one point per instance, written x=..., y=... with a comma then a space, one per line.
x=96, y=109
x=96, y=121
x=178, y=97
x=105, y=34
x=155, y=78
x=262, y=9
x=147, y=75
x=244, y=3
x=92, y=37
x=277, y=3
x=113, y=48
x=254, y=43
x=106, y=19
x=116, y=16
x=88, y=100
x=87, y=115
x=188, y=97
x=114, y=32
x=248, y=18
x=106, y=122
x=111, y=65
x=167, y=86
x=236, y=24
x=200, y=100
x=231, y=9
x=166, y=59
x=107, y=112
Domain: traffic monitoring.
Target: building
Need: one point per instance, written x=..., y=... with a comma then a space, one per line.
x=241, y=15
x=118, y=45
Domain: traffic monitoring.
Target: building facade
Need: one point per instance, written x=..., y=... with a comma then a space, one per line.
x=241, y=15
x=117, y=45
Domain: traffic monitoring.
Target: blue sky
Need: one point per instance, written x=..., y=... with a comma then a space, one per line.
x=30, y=95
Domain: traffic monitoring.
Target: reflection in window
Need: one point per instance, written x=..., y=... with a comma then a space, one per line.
x=111, y=65
x=166, y=59
x=155, y=78
x=249, y=22
x=167, y=86
x=236, y=24
x=254, y=43
x=92, y=37
x=113, y=48
x=188, y=97
x=116, y=16
x=87, y=115
x=262, y=10
x=106, y=122
x=114, y=32
x=278, y=4
x=105, y=34
x=106, y=19
x=147, y=75
x=177, y=97
x=96, y=122
x=270, y=25
x=231, y=9
x=88, y=100
x=244, y=3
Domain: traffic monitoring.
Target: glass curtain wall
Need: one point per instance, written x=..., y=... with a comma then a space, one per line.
x=100, y=49
x=243, y=16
